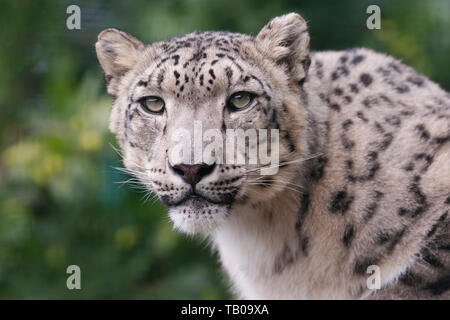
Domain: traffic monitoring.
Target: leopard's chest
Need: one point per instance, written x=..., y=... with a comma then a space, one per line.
x=272, y=261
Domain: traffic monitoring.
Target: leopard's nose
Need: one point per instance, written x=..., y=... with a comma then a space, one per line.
x=192, y=174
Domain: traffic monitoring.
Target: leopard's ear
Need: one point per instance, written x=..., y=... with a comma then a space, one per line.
x=285, y=40
x=117, y=52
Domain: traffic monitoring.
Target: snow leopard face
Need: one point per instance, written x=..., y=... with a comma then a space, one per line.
x=215, y=81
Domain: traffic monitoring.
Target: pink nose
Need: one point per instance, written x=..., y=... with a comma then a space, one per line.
x=192, y=174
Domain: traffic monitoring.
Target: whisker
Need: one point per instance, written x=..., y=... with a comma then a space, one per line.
x=287, y=184
x=285, y=163
x=117, y=150
x=279, y=187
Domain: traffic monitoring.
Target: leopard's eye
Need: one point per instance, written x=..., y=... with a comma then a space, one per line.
x=152, y=104
x=240, y=100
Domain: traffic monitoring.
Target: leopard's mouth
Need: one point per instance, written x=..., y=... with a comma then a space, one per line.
x=198, y=196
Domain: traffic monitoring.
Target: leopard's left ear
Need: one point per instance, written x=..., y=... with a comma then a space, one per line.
x=285, y=40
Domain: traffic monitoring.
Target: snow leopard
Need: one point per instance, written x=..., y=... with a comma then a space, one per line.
x=362, y=186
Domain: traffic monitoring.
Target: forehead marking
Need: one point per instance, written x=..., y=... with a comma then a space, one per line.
x=202, y=41
x=160, y=78
x=259, y=81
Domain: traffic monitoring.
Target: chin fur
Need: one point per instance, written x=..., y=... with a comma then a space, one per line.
x=197, y=216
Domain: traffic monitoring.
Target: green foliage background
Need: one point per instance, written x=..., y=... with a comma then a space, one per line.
x=60, y=203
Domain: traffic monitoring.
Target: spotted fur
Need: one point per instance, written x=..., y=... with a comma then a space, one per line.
x=365, y=147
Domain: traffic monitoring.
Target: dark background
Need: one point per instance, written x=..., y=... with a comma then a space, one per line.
x=61, y=200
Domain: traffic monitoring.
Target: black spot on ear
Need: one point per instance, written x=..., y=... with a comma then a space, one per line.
x=366, y=79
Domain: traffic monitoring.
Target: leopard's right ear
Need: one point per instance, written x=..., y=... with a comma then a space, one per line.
x=117, y=52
